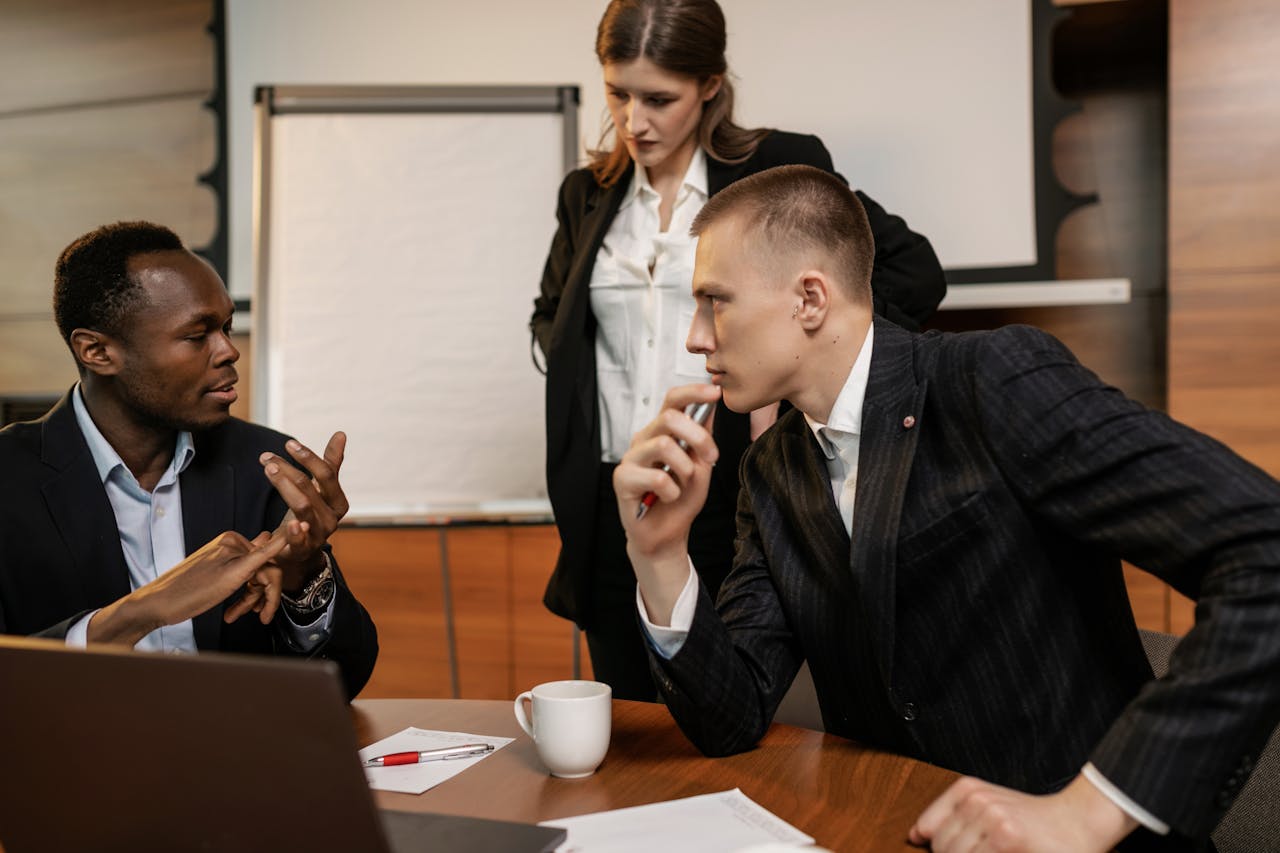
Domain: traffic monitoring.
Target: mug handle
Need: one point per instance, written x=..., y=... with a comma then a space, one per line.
x=521, y=718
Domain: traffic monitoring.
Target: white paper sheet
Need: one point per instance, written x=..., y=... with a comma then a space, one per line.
x=416, y=778
x=710, y=823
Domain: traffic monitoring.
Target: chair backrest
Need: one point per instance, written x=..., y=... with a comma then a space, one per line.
x=799, y=706
x=1252, y=825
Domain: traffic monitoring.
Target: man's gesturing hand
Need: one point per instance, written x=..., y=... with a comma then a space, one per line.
x=317, y=500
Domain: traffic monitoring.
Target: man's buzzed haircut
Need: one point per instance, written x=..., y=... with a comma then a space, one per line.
x=800, y=207
x=92, y=288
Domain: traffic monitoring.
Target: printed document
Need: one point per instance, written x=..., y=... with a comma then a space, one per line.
x=710, y=823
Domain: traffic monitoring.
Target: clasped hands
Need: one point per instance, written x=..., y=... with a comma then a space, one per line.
x=261, y=568
x=316, y=504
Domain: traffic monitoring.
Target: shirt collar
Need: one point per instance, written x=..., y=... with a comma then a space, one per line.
x=695, y=179
x=105, y=458
x=846, y=412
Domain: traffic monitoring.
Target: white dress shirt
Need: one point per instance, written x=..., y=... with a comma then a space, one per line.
x=153, y=540
x=839, y=440
x=641, y=297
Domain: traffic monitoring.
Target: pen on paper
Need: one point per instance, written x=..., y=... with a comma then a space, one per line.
x=448, y=753
x=699, y=412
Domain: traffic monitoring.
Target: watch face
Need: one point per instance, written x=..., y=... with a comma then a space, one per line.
x=323, y=594
x=317, y=597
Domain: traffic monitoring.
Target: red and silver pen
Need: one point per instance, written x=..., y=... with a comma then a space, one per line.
x=699, y=412
x=466, y=750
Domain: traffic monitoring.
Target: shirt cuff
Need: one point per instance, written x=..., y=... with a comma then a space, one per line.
x=307, y=638
x=78, y=634
x=1128, y=806
x=669, y=639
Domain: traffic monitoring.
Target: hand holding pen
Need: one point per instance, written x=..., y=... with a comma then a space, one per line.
x=667, y=470
x=446, y=753
x=698, y=412
x=668, y=464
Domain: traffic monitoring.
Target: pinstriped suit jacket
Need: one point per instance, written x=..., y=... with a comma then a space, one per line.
x=979, y=619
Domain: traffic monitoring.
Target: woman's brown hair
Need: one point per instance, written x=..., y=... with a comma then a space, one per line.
x=684, y=37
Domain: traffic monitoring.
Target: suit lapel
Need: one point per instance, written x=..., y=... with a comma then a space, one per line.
x=886, y=449
x=79, y=507
x=807, y=484
x=208, y=502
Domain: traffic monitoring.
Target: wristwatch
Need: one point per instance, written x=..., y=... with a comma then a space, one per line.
x=318, y=592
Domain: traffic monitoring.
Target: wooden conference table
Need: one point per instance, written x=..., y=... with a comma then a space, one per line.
x=848, y=797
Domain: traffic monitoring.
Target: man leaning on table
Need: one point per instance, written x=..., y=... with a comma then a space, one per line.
x=141, y=462
x=968, y=609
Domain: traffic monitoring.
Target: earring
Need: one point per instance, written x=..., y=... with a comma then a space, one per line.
x=795, y=312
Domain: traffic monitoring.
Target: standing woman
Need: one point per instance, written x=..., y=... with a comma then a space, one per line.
x=616, y=304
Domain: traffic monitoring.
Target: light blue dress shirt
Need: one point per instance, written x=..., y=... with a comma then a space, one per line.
x=150, y=525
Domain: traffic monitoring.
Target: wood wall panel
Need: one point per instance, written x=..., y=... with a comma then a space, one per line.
x=33, y=358
x=1115, y=147
x=1224, y=359
x=480, y=573
x=543, y=647
x=506, y=640
x=396, y=575
x=1149, y=599
x=1224, y=114
x=244, y=388
x=65, y=173
x=61, y=52
x=1224, y=218
x=101, y=119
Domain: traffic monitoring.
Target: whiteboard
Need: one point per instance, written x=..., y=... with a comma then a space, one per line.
x=392, y=299
x=925, y=104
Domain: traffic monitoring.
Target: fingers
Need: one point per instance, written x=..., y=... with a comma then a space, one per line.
x=677, y=401
x=300, y=494
x=270, y=601
x=324, y=470
x=262, y=585
x=659, y=465
x=226, y=545
x=336, y=450
x=295, y=533
x=686, y=395
x=247, y=601
x=940, y=811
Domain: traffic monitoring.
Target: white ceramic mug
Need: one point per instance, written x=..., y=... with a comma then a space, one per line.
x=569, y=723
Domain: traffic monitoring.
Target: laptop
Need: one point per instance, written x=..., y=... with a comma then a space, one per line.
x=120, y=750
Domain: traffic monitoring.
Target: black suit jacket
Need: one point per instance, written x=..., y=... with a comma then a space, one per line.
x=979, y=618
x=907, y=285
x=60, y=553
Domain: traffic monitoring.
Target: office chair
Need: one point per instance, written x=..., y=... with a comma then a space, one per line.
x=1252, y=825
